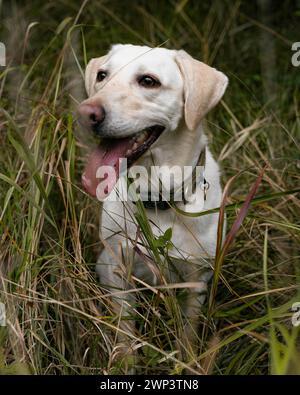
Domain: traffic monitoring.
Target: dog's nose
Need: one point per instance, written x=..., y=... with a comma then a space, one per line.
x=91, y=115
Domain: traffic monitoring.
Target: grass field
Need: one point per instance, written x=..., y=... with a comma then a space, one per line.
x=49, y=226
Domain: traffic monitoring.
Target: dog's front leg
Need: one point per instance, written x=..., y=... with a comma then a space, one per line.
x=192, y=309
x=114, y=276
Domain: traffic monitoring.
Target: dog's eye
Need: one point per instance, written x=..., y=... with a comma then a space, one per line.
x=147, y=81
x=101, y=75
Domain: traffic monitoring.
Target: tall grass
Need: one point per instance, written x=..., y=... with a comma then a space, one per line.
x=60, y=320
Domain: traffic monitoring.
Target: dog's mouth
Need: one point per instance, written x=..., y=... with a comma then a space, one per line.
x=110, y=152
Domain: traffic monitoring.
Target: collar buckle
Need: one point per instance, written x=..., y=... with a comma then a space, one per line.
x=205, y=187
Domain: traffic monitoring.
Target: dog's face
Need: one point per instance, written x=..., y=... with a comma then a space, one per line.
x=136, y=93
x=136, y=88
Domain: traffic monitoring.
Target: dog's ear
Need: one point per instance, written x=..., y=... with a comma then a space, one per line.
x=204, y=87
x=91, y=72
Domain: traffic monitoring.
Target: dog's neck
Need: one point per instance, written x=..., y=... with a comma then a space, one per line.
x=180, y=147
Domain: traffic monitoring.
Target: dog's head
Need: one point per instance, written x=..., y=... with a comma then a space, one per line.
x=136, y=93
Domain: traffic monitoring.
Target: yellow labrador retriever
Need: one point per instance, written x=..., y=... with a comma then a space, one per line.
x=147, y=106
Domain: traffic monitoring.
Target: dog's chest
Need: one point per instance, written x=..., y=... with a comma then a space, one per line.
x=191, y=237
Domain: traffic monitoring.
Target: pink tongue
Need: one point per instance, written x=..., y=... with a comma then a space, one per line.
x=104, y=155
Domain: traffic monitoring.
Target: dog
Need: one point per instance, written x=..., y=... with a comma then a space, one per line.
x=147, y=105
